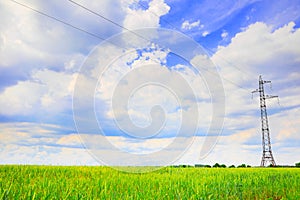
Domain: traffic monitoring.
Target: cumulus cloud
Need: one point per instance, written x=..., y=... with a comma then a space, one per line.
x=272, y=49
x=186, y=25
x=29, y=40
x=258, y=50
x=47, y=91
x=145, y=18
x=167, y=87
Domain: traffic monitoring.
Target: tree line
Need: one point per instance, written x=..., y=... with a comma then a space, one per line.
x=217, y=165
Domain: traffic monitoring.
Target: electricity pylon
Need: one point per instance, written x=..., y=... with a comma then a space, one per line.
x=267, y=156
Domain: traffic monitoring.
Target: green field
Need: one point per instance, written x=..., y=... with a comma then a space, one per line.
x=50, y=182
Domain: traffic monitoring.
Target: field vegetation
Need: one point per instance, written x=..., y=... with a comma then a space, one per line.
x=58, y=182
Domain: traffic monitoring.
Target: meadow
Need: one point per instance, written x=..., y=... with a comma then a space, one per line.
x=59, y=182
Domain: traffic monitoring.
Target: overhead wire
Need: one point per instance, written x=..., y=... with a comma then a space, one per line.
x=80, y=29
x=109, y=20
x=228, y=62
x=71, y=25
x=285, y=109
x=115, y=23
x=58, y=20
x=206, y=48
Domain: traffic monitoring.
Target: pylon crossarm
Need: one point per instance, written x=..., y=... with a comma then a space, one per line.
x=271, y=96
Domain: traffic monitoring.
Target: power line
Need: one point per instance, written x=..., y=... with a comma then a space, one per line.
x=97, y=36
x=115, y=23
x=229, y=62
x=285, y=109
x=58, y=20
x=206, y=48
x=101, y=38
x=77, y=28
x=107, y=19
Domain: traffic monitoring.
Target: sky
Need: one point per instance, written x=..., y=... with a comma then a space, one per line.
x=150, y=82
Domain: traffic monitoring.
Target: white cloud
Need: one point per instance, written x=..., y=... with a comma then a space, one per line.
x=224, y=34
x=168, y=88
x=70, y=140
x=29, y=40
x=186, y=25
x=45, y=155
x=205, y=33
x=35, y=143
x=258, y=49
x=26, y=35
x=136, y=19
x=47, y=91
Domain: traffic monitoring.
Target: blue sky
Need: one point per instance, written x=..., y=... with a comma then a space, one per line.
x=42, y=61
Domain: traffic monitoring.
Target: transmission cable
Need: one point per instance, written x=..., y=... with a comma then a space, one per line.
x=58, y=20
x=115, y=23
x=206, y=48
x=99, y=37
x=107, y=19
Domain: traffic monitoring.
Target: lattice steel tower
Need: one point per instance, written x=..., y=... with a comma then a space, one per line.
x=267, y=156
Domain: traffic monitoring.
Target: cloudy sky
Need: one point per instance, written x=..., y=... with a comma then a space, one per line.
x=147, y=82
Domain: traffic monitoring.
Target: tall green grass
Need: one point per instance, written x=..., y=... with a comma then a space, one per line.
x=50, y=182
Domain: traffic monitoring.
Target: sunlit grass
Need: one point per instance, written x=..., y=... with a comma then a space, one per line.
x=50, y=182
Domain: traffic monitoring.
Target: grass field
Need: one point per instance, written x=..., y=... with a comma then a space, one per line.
x=50, y=182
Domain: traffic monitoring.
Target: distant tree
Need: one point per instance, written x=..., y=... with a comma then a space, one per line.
x=207, y=166
x=297, y=164
x=217, y=165
x=223, y=166
x=231, y=166
x=242, y=166
x=248, y=165
x=185, y=166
